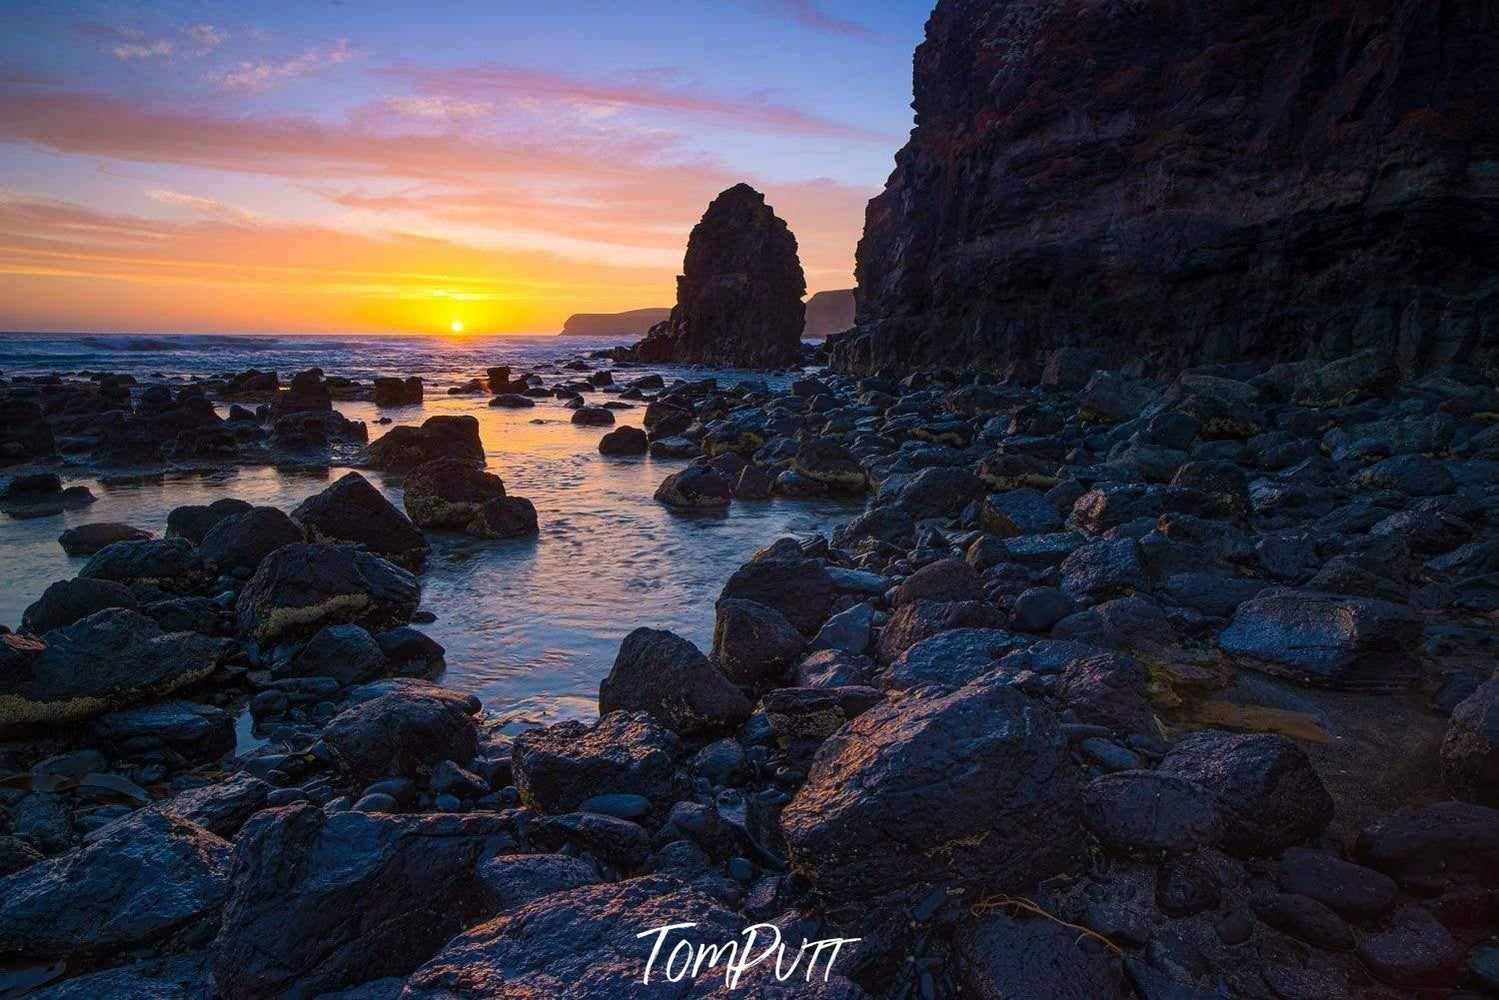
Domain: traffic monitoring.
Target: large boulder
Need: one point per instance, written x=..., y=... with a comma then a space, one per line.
x=753, y=643
x=739, y=297
x=241, y=541
x=301, y=588
x=404, y=447
x=589, y=943
x=184, y=729
x=353, y=511
x=404, y=732
x=1266, y=788
x=325, y=902
x=558, y=768
x=696, y=487
x=449, y=494
x=976, y=256
x=1151, y=814
x=143, y=880
x=1325, y=640
x=391, y=391
x=624, y=441
x=1000, y=957
x=1431, y=847
x=167, y=563
x=801, y=590
x=347, y=653
x=86, y=539
x=662, y=674
x=104, y=661
x=1470, y=750
x=192, y=521
x=972, y=788
x=68, y=601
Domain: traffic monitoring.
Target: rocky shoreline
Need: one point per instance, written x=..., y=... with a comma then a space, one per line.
x=1119, y=687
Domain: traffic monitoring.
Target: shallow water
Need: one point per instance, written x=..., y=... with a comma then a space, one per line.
x=530, y=626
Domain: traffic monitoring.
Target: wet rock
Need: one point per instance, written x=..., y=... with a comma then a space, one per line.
x=42, y=495
x=886, y=524
x=936, y=492
x=406, y=731
x=593, y=416
x=666, y=676
x=507, y=517
x=753, y=643
x=1108, y=689
x=400, y=448
x=920, y=620
x=513, y=880
x=398, y=391
x=146, y=878
x=1415, y=951
x=848, y=631
x=347, y=653
x=943, y=580
x=1413, y=475
x=1269, y=793
x=802, y=715
x=16, y=854
x=1304, y=918
x=1223, y=482
x=886, y=807
x=558, y=768
x=1431, y=846
x=1355, y=892
x=512, y=401
x=1002, y=958
x=1324, y=640
x=695, y=487
x=220, y=808
x=739, y=297
x=1146, y=812
x=1037, y=609
x=86, y=539
x=826, y=668
x=1019, y=512
x=196, y=733
x=306, y=393
x=1104, y=569
x=68, y=601
x=581, y=943
x=241, y=541
x=108, y=659
x=353, y=511
x=405, y=647
x=832, y=465
x=675, y=446
x=1470, y=750
x=168, y=563
x=449, y=494
x=624, y=441
x=323, y=902
x=44, y=821
x=951, y=658
x=193, y=521
x=298, y=589
x=801, y=590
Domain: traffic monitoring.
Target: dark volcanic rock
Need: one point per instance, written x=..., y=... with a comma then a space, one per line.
x=68, y=601
x=103, y=661
x=168, y=563
x=969, y=788
x=1146, y=812
x=739, y=298
x=695, y=487
x=437, y=437
x=192, y=521
x=196, y=733
x=1270, y=796
x=351, y=510
x=560, y=767
x=1431, y=846
x=449, y=493
x=801, y=590
x=583, y=944
x=1470, y=750
x=325, y=902
x=404, y=732
x=300, y=588
x=241, y=541
x=668, y=677
x=148, y=877
x=753, y=643
x=1286, y=233
x=1000, y=958
x=623, y=441
x=86, y=539
x=1348, y=643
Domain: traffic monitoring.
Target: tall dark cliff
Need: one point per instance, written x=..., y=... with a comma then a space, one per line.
x=1191, y=181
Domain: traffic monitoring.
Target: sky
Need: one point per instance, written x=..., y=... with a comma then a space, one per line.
x=330, y=166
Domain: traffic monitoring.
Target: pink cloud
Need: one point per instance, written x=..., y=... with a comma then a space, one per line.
x=256, y=77
x=813, y=16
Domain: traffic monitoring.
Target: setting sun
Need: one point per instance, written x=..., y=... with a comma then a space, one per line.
x=456, y=326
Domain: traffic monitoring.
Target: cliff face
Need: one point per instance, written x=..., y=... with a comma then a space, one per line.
x=1191, y=181
x=633, y=323
x=829, y=312
x=739, y=297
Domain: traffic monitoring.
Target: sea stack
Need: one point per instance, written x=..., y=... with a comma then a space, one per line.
x=739, y=297
x=1270, y=180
